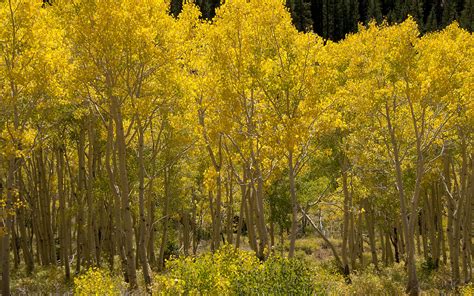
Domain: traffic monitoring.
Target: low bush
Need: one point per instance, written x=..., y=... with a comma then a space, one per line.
x=388, y=281
x=49, y=279
x=234, y=272
x=210, y=273
x=467, y=290
x=276, y=276
x=328, y=280
x=96, y=281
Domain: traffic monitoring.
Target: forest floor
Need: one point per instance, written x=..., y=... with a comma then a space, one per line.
x=366, y=279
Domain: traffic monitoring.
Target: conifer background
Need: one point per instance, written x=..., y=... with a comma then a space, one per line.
x=333, y=19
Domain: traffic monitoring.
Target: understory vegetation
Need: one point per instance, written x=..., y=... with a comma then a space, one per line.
x=236, y=272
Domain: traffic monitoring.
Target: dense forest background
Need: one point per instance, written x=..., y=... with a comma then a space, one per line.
x=333, y=19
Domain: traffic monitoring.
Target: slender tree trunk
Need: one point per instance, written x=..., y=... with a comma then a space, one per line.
x=117, y=218
x=14, y=246
x=230, y=210
x=408, y=227
x=369, y=216
x=453, y=221
x=124, y=192
x=294, y=204
x=466, y=222
x=243, y=189
x=194, y=223
x=81, y=183
x=467, y=227
x=360, y=241
x=347, y=209
x=261, y=227
x=151, y=226
x=454, y=252
x=352, y=232
x=390, y=258
x=218, y=203
x=141, y=197
x=27, y=253
x=217, y=164
x=186, y=240
x=421, y=236
x=44, y=210
x=164, y=237
x=383, y=247
x=249, y=210
x=7, y=228
x=91, y=243
x=439, y=223
x=62, y=213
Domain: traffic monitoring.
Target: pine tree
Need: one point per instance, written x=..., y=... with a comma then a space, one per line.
x=208, y=7
x=301, y=14
x=415, y=9
x=431, y=23
x=374, y=10
x=339, y=20
x=317, y=16
x=351, y=10
x=175, y=7
x=449, y=12
x=398, y=13
x=467, y=15
x=329, y=19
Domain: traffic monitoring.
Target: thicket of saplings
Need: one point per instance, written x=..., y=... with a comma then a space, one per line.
x=146, y=153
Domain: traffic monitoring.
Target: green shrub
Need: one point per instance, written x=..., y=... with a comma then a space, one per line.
x=388, y=281
x=234, y=272
x=467, y=290
x=328, y=280
x=428, y=266
x=308, y=245
x=96, y=282
x=210, y=273
x=279, y=276
x=167, y=285
x=45, y=279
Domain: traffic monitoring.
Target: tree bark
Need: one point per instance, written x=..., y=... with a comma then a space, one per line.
x=164, y=235
x=7, y=228
x=294, y=204
x=141, y=200
x=370, y=221
x=408, y=227
x=91, y=238
x=64, y=230
x=345, y=226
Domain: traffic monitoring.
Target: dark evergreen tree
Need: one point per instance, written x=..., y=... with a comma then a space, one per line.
x=317, y=16
x=339, y=20
x=415, y=9
x=399, y=12
x=374, y=10
x=467, y=15
x=431, y=23
x=450, y=12
x=176, y=6
x=208, y=7
x=301, y=13
x=328, y=19
x=351, y=15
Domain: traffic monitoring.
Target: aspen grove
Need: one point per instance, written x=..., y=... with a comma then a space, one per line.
x=133, y=139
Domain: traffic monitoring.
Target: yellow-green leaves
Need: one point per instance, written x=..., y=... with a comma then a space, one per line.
x=96, y=281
